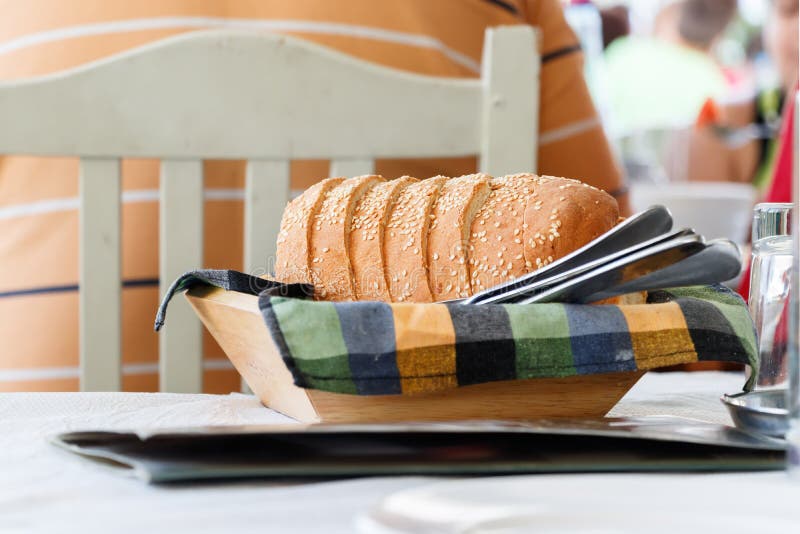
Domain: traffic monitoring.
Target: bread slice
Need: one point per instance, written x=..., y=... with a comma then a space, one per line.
x=448, y=238
x=405, y=247
x=293, y=256
x=561, y=216
x=367, y=232
x=496, y=250
x=331, y=271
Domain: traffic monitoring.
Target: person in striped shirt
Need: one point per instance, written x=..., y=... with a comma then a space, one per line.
x=38, y=196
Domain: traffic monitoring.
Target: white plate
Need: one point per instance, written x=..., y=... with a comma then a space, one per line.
x=594, y=504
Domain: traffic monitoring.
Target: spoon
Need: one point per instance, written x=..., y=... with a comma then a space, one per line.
x=539, y=285
x=718, y=262
x=621, y=271
x=636, y=230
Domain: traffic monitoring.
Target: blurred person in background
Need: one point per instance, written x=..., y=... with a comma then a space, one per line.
x=783, y=43
x=38, y=197
x=660, y=80
x=738, y=141
x=616, y=23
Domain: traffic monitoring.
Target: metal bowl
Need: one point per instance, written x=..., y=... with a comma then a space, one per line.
x=762, y=412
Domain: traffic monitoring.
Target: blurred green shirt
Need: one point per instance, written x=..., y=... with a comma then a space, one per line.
x=655, y=84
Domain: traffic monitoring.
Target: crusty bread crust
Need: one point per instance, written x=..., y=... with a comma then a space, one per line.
x=496, y=252
x=293, y=257
x=561, y=216
x=331, y=271
x=406, y=241
x=367, y=233
x=448, y=238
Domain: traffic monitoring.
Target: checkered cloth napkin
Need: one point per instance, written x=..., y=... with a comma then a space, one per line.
x=374, y=348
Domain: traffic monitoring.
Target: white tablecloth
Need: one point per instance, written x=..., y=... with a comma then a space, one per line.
x=44, y=489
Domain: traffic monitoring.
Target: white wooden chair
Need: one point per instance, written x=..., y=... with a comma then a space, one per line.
x=261, y=97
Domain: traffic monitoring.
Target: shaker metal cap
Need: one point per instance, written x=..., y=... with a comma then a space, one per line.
x=771, y=219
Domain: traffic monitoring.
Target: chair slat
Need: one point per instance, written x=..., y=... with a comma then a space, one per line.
x=352, y=167
x=180, y=250
x=266, y=194
x=510, y=71
x=100, y=291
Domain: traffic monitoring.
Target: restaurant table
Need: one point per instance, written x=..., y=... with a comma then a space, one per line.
x=45, y=489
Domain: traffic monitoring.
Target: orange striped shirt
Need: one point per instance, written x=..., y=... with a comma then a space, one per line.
x=38, y=196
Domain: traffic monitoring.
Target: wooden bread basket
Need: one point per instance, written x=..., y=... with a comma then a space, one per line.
x=236, y=323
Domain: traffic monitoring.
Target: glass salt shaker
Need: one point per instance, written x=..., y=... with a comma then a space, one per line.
x=770, y=277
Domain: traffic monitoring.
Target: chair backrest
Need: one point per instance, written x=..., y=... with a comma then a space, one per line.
x=261, y=97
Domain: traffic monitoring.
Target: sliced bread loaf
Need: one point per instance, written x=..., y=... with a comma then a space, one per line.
x=367, y=233
x=293, y=256
x=406, y=241
x=331, y=270
x=448, y=238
